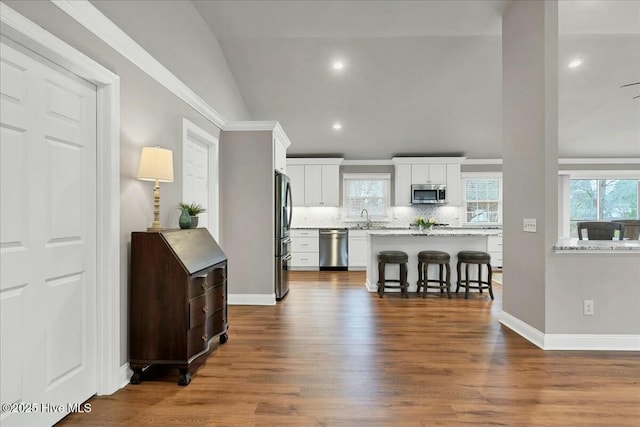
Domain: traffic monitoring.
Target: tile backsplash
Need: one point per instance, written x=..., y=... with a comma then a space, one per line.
x=402, y=216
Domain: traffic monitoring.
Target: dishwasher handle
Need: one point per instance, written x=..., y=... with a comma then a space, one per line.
x=330, y=232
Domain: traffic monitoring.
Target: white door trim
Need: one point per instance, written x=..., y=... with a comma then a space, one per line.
x=20, y=29
x=190, y=128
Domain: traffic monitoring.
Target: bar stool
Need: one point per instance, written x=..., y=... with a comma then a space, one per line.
x=474, y=257
x=393, y=257
x=439, y=258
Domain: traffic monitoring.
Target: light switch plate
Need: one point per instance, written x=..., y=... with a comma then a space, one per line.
x=529, y=225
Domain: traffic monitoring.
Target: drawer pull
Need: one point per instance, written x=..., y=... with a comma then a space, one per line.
x=204, y=285
x=204, y=337
x=205, y=309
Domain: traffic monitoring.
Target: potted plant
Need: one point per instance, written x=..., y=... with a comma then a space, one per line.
x=189, y=215
x=425, y=224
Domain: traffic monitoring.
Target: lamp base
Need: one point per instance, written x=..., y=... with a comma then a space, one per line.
x=155, y=227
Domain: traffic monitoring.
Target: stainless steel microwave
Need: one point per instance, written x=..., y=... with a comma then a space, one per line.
x=426, y=194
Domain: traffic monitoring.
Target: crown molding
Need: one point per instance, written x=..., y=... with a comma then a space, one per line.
x=381, y=162
x=601, y=161
x=97, y=23
x=427, y=160
x=257, y=126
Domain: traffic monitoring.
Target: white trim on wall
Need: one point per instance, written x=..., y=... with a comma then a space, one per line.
x=605, y=342
x=190, y=129
x=34, y=37
x=252, y=299
x=95, y=21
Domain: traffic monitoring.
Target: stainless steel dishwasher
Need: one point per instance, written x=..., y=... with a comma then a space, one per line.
x=334, y=249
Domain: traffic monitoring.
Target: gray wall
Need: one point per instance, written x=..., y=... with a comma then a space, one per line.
x=174, y=33
x=529, y=155
x=247, y=210
x=150, y=115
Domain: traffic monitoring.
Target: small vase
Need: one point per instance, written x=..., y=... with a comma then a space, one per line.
x=194, y=221
x=185, y=220
x=421, y=227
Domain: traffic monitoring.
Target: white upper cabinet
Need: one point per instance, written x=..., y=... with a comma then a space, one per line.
x=315, y=182
x=279, y=155
x=296, y=175
x=429, y=174
x=427, y=170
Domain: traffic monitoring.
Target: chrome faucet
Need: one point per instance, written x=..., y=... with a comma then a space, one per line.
x=368, y=220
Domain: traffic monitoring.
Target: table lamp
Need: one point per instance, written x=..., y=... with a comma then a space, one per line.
x=156, y=164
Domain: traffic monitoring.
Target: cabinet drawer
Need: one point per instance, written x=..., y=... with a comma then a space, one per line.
x=305, y=244
x=496, y=259
x=311, y=232
x=216, y=323
x=217, y=276
x=197, y=339
x=199, y=284
x=308, y=259
x=215, y=298
x=494, y=243
x=198, y=309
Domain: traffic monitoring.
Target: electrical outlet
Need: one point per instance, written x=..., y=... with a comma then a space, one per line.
x=529, y=225
x=588, y=308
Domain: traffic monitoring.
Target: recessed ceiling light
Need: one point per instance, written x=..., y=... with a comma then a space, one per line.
x=337, y=65
x=575, y=63
x=337, y=126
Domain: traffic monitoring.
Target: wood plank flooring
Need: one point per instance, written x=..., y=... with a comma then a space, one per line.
x=332, y=354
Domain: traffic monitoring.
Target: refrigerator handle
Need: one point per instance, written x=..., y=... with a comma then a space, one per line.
x=290, y=201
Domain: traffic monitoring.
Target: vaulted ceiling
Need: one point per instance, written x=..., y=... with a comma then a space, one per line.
x=423, y=78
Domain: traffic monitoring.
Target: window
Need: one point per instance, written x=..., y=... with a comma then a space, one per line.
x=483, y=200
x=366, y=191
x=602, y=200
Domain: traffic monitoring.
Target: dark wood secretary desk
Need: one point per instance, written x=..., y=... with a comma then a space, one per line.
x=177, y=299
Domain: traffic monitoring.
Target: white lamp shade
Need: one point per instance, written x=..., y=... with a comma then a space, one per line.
x=156, y=163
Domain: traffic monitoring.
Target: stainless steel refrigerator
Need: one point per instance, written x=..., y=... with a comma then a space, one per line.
x=283, y=214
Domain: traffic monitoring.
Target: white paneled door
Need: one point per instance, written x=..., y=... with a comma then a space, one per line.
x=200, y=174
x=47, y=238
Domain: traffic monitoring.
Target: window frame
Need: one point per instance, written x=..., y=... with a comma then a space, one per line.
x=476, y=176
x=596, y=175
x=354, y=176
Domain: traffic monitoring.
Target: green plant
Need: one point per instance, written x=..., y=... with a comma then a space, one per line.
x=193, y=208
x=426, y=223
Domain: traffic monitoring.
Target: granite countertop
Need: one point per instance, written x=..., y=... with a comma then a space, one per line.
x=438, y=232
x=597, y=246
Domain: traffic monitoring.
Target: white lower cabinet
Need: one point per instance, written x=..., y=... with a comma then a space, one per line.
x=357, y=249
x=305, y=249
x=494, y=247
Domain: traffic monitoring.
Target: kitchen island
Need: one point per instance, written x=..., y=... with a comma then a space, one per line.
x=450, y=240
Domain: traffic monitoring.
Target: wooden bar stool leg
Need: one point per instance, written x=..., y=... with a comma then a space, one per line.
x=381, y=270
x=420, y=276
x=403, y=280
x=490, y=284
x=480, y=278
x=440, y=277
x=448, y=267
x=466, y=281
x=458, y=271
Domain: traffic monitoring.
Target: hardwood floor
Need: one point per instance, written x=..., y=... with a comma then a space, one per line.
x=332, y=354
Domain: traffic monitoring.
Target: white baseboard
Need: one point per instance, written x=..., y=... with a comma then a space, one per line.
x=125, y=375
x=592, y=342
x=528, y=332
x=370, y=287
x=252, y=299
x=603, y=342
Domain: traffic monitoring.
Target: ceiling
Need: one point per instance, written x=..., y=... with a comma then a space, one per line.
x=423, y=77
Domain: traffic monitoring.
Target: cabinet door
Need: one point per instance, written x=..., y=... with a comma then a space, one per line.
x=437, y=174
x=403, y=185
x=454, y=196
x=279, y=156
x=330, y=185
x=357, y=251
x=313, y=185
x=296, y=174
x=419, y=174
